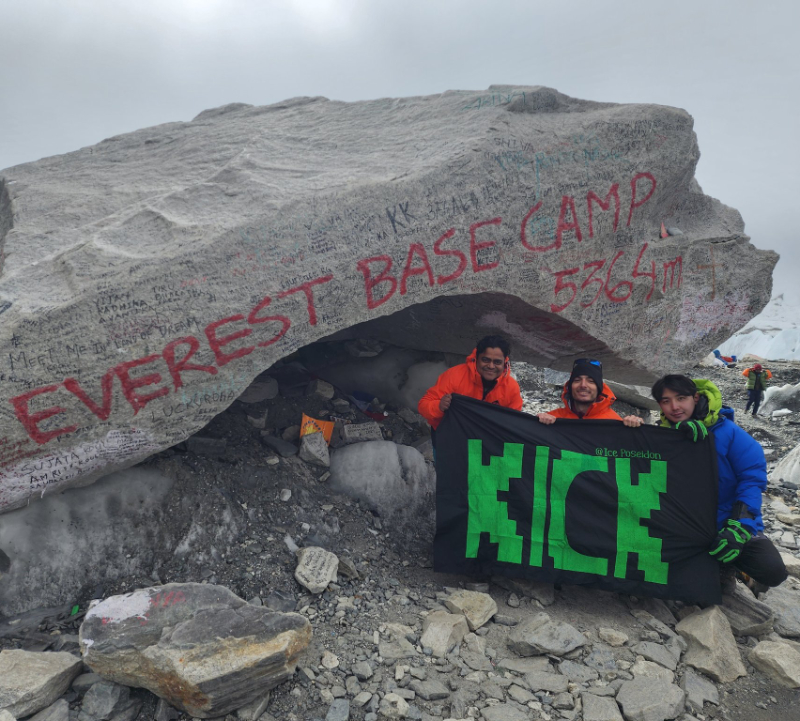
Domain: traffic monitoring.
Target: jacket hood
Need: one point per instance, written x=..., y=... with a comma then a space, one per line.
x=472, y=364
x=605, y=399
x=713, y=397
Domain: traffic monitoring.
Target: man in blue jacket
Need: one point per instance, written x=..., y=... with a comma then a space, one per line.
x=695, y=408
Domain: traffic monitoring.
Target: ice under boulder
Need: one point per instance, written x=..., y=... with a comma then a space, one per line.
x=146, y=281
x=777, y=398
x=787, y=469
x=391, y=478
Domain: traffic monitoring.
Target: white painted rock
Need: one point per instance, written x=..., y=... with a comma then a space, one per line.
x=198, y=646
x=711, y=645
x=31, y=681
x=316, y=568
x=477, y=608
x=146, y=281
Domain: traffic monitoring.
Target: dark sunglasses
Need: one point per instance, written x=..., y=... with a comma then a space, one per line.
x=491, y=361
x=592, y=361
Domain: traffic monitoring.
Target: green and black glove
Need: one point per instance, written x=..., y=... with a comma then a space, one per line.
x=693, y=430
x=730, y=541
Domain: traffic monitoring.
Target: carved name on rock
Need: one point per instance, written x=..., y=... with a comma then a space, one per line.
x=200, y=647
x=146, y=281
x=316, y=568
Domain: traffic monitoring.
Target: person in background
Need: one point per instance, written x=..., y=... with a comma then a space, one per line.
x=485, y=375
x=695, y=408
x=586, y=396
x=757, y=382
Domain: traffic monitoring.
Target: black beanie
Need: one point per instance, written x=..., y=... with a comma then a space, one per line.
x=583, y=367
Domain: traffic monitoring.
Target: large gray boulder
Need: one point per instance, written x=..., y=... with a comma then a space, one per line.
x=199, y=647
x=147, y=280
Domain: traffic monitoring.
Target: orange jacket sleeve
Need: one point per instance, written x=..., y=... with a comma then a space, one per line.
x=428, y=405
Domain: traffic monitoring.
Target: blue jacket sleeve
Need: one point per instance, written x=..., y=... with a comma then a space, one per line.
x=750, y=468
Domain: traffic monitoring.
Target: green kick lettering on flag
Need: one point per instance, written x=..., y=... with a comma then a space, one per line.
x=516, y=497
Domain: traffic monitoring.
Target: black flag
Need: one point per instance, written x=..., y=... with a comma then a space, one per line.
x=576, y=502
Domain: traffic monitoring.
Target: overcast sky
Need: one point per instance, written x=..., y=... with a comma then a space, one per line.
x=73, y=73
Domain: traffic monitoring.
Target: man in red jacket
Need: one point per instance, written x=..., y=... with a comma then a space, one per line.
x=486, y=375
x=586, y=396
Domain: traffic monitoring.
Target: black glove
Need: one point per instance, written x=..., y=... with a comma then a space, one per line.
x=730, y=541
x=693, y=430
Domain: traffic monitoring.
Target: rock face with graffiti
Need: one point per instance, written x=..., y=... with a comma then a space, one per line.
x=146, y=280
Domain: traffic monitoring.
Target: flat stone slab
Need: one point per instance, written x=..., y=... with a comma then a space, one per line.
x=540, y=635
x=31, y=681
x=699, y=690
x=600, y=708
x=550, y=682
x=645, y=699
x=316, y=568
x=192, y=256
x=198, y=646
x=360, y=432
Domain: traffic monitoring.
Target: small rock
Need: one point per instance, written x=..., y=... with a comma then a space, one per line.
x=599, y=708
x=525, y=665
x=362, y=699
x=711, y=645
x=59, y=711
x=504, y=712
x=316, y=567
x=291, y=433
x=658, y=653
x=648, y=669
x=31, y=681
x=321, y=389
x=577, y=672
x=645, y=699
x=282, y=601
x=362, y=670
x=792, y=564
x=441, y=631
x=698, y=690
x=285, y=494
x=393, y=706
x=104, y=700
x=779, y=661
x=612, y=637
x=431, y=690
x=478, y=608
x=314, y=450
x=339, y=710
x=550, y=682
x=330, y=660
x=254, y=711
x=540, y=635
x=165, y=712
x=361, y=432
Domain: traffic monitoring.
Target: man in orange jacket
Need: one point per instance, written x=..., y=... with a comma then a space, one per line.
x=586, y=397
x=486, y=375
